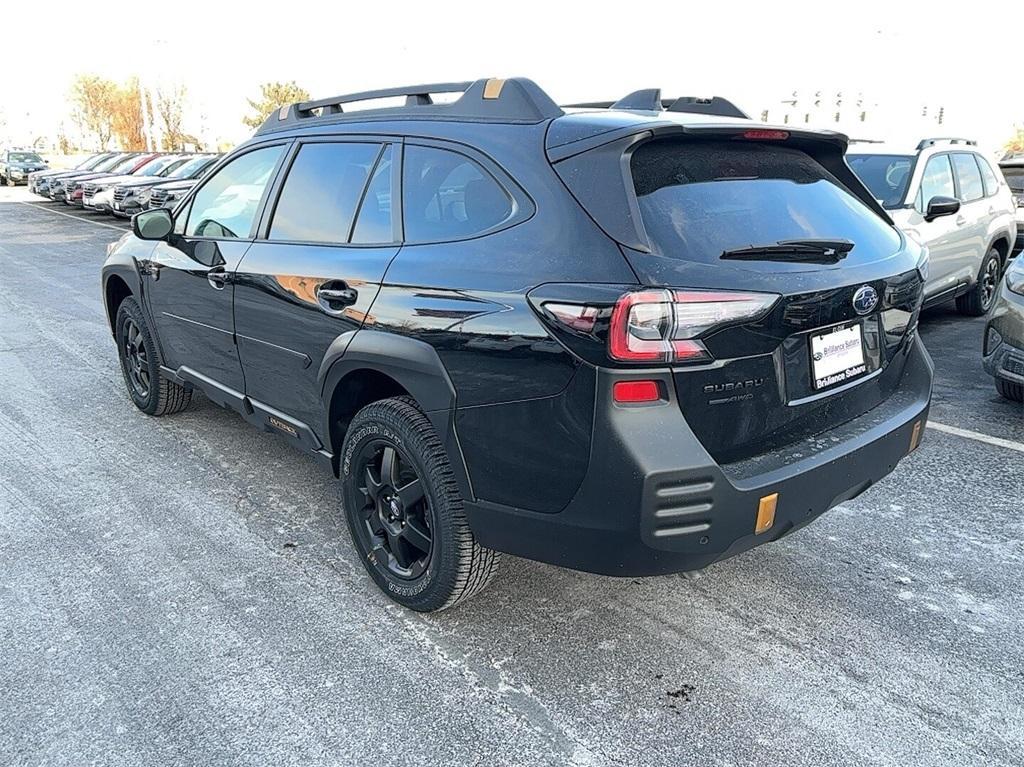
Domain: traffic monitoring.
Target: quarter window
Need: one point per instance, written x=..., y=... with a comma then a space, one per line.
x=448, y=196
x=319, y=198
x=969, y=177
x=226, y=205
x=937, y=181
x=988, y=176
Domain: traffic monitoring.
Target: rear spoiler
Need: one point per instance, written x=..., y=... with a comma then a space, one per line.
x=606, y=166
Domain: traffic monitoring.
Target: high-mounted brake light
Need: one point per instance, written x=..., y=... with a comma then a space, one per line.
x=760, y=134
x=666, y=325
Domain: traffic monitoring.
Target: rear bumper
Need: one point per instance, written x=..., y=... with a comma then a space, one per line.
x=654, y=502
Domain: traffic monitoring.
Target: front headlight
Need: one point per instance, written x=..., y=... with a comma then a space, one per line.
x=144, y=196
x=1015, y=277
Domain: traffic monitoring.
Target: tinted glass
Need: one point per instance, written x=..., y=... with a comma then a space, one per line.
x=699, y=199
x=448, y=196
x=1014, y=175
x=969, y=176
x=886, y=176
x=157, y=167
x=320, y=195
x=937, y=181
x=226, y=205
x=24, y=157
x=374, y=222
x=988, y=176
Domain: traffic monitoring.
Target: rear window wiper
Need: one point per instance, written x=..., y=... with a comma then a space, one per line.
x=809, y=250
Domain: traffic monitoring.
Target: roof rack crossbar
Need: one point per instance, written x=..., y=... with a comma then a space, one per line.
x=927, y=142
x=650, y=99
x=516, y=100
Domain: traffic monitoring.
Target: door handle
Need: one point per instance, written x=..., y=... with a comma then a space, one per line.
x=218, y=278
x=960, y=220
x=334, y=300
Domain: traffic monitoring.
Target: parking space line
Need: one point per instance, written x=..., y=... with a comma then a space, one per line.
x=977, y=436
x=37, y=206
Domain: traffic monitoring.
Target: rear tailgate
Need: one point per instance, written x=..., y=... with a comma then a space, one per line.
x=834, y=344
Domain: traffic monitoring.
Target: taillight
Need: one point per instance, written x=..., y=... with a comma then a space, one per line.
x=666, y=325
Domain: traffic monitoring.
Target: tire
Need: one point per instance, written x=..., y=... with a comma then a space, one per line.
x=1010, y=389
x=151, y=391
x=979, y=299
x=387, y=519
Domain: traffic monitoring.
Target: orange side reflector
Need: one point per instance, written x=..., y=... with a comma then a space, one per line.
x=492, y=88
x=766, y=513
x=915, y=437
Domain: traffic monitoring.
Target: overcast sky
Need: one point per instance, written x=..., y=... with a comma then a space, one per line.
x=901, y=57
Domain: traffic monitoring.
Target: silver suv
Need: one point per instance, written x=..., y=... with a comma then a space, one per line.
x=946, y=194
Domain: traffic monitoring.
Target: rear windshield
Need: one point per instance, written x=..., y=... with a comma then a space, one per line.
x=700, y=199
x=886, y=175
x=1014, y=175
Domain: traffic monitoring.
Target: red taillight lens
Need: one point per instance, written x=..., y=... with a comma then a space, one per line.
x=665, y=325
x=629, y=392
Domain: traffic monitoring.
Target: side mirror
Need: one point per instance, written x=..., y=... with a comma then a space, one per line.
x=207, y=252
x=153, y=224
x=939, y=206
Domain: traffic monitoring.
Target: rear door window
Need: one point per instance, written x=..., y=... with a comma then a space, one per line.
x=374, y=222
x=988, y=176
x=448, y=196
x=320, y=195
x=968, y=176
x=699, y=199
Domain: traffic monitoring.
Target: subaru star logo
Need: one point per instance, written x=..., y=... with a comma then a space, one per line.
x=865, y=299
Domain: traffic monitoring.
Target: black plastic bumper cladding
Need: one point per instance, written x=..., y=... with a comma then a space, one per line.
x=654, y=501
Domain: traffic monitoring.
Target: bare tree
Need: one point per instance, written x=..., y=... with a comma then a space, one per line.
x=170, y=108
x=95, y=103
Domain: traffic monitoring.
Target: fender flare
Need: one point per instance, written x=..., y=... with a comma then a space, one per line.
x=415, y=365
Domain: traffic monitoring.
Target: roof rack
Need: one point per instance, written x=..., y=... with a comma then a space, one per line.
x=650, y=99
x=927, y=142
x=866, y=141
x=515, y=100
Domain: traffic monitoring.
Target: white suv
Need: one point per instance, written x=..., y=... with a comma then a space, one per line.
x=945, y=194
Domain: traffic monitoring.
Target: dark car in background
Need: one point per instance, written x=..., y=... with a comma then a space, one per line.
x=1004, y=334
x=131, y=196
x=39, y=182
x=17, y=164
x=97, y=193
x=1013, y=172
x=631, y=338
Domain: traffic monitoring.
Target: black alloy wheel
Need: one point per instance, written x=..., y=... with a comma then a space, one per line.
x=395, y=512
x=135, y=359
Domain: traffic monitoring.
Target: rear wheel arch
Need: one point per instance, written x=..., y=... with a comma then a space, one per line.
x=365, y=366
x=1001, y=244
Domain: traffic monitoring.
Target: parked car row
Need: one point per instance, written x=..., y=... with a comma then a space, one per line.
x=123, y=183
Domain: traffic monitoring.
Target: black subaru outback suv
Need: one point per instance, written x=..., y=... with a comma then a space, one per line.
x=630, y=338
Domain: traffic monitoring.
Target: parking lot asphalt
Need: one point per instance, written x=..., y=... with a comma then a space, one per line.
x=182, y=591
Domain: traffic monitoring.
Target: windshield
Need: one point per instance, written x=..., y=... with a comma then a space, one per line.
x=1014, y=177
x=118, y=164
x=91, y=162
x=886, y=175
x=24, y=157
x=700, y=199
x=190, y=167
x=154, y=166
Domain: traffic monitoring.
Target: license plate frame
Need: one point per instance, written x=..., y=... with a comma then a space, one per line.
x=840, y=362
